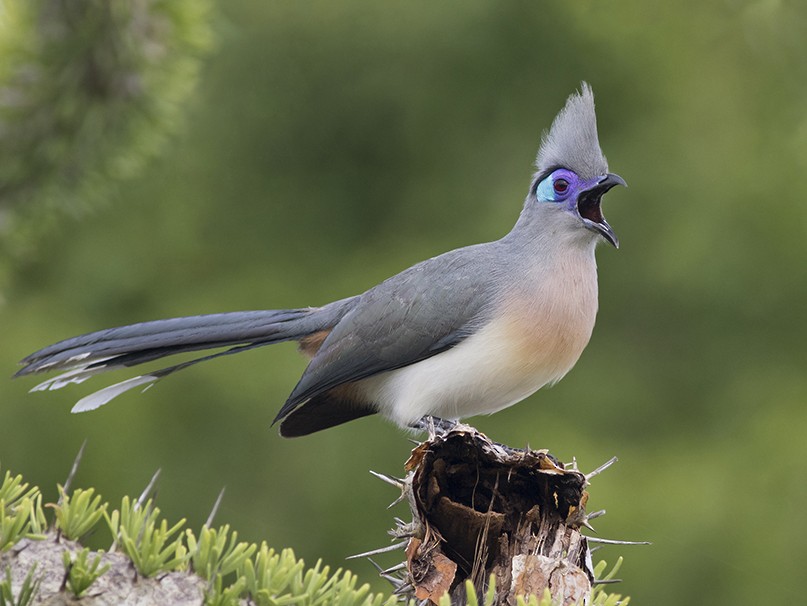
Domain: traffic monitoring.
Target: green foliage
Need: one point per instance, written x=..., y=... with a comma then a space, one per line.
x=13, y=490
x=90, y=92
x=80, y=572
x=35, y=513
x=599, y=597
x=77, y=514
x=26, y=594
x=269, y=573
x=472, y=599
x=268, y=577
x=146, y=539
x=215, y=555
x=13, y=526
x=234, y=569
x=21, y=512
x=277, y=579
x=217, y=552
x=220, y=594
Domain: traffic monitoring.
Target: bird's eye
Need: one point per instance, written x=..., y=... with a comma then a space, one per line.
x=561, y=186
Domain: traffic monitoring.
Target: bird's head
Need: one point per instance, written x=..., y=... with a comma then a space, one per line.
x=572, y=171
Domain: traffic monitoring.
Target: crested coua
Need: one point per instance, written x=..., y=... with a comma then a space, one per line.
x=468, y=332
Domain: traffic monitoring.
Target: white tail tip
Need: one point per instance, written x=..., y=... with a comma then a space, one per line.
x=99, y=398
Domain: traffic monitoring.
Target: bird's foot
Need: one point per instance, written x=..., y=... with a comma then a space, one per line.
x=434, y=425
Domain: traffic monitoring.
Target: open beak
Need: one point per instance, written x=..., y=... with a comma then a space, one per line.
x=588, y=206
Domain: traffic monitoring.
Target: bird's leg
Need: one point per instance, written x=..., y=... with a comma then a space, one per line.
x=434, y=424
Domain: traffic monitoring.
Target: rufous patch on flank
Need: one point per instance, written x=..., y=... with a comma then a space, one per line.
x=310, y=344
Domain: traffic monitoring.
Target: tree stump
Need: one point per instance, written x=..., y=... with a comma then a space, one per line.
x=480, y=509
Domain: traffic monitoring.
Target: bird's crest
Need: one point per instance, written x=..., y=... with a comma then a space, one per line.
x=572, y=141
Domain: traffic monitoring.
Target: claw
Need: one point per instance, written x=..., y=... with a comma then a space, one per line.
x=434, y=425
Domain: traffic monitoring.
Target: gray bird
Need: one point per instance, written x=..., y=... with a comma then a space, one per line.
x=468, y=332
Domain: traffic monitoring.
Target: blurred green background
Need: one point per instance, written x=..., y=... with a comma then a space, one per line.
x=329, y=145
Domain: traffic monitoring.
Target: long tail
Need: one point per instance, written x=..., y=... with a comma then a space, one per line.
x=82, y=357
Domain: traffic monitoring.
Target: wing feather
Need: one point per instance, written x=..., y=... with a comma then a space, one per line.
x=414, y=315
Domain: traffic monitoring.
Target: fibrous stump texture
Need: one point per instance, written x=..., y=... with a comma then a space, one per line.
x=480, y=508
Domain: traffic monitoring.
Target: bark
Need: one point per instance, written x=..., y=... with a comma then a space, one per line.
x=482, y=509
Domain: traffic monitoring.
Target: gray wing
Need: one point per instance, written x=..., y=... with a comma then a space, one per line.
x=412, y=316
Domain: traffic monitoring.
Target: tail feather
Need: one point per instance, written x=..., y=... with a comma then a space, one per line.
x=87, y=355
x=147, y=341
x=102, y=396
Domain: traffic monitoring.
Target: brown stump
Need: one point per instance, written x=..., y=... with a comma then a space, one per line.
x=482, y=509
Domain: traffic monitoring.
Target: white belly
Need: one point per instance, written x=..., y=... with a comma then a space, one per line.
x=506, y=361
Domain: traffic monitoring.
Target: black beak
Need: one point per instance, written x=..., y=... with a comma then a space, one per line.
x=588, y=206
